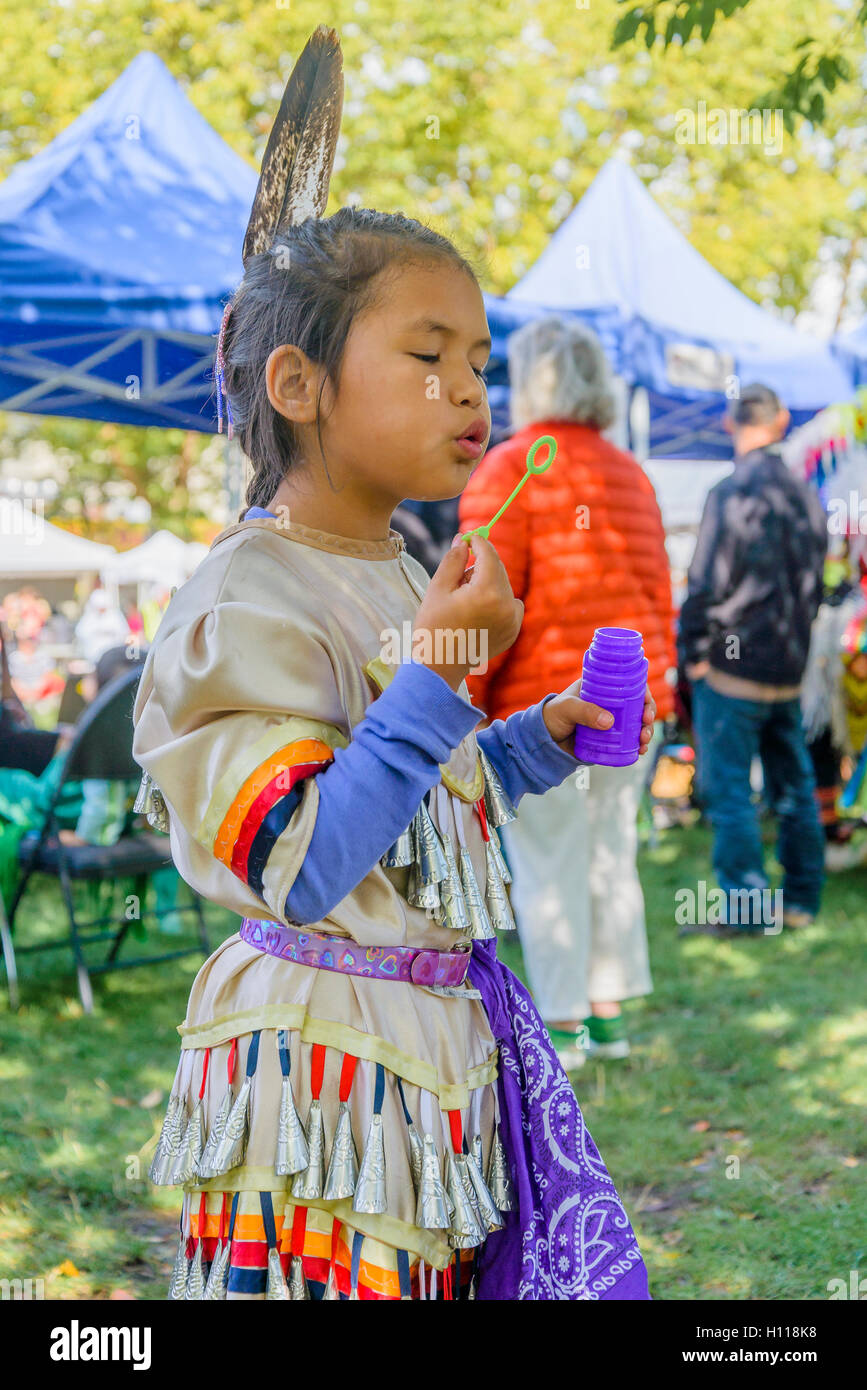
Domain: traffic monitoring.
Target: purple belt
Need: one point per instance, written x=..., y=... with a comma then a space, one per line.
x=417, y=967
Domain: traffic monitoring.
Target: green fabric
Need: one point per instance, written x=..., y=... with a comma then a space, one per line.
x=562, y=1037
x=24, y=803
x=167, y=886
x=100, y=812
x=605, y=1030
x=9, y=872
x=104, y=810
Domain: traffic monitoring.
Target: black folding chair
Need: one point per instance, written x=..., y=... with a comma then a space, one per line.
x=102, y=748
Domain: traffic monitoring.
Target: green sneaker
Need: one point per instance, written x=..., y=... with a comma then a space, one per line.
x=571, y=1048
x=606, y=1037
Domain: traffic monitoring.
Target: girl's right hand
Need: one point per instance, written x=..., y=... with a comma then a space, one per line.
x=461, y=602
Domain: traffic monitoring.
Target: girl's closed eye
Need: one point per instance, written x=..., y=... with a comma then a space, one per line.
x=480, y=372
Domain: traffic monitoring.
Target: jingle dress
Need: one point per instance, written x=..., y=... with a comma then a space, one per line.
x=340, y=1134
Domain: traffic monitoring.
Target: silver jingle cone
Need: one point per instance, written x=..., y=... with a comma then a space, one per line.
x=343, y=1165
x=480, y=922
x=429, y=852
x=180, y=1271
x=298, y=1290
x=496, y=897
x=485, y=1204
x=143, y=795
x=276, y=1287
x=169, y=1119
x=466, y=1229
x=432, y=1208
x=370, y=1195
x=192, y=1146
x=308, y=1184
x=451, y=893
x=464, y=1174
x=497, y=852
x=292, y=1152
x=438, y=914
x=169, y=1143
x=421, y=894
x=196, y=1278
x=416, y=1155
x=212, y=1143
x=233, y=1142
x=499, y=1177
x=217, y=1286
x=332, y=1293
x=149, y=802
x=158, y=815
x=402, y=851
x=476, y=1150
x=498, y=807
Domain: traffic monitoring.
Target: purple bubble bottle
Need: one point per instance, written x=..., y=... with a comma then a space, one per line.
x=614, y=676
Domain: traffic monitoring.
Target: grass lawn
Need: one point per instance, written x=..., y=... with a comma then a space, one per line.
x=735, y=1132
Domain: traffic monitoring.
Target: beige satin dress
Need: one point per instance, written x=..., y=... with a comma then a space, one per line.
x=264, y=649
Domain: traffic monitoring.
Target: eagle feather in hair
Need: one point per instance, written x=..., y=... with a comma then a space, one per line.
x=299, y=157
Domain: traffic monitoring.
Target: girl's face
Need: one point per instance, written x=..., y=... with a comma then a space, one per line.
x=410, y=387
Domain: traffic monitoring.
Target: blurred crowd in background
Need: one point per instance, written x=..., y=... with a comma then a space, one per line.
x=753, y=716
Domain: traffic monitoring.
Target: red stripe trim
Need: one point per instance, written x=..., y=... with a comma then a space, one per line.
x=347, y=1074
x=268, y=797
x=317, y=1070
x=205, y=1066
x=299, y=1230
x=250, y=1254
x=457, y=1130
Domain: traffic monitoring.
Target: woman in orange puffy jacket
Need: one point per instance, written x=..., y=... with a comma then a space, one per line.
x=584, y=547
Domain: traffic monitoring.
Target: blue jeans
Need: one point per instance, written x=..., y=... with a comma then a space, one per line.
x=730, y=732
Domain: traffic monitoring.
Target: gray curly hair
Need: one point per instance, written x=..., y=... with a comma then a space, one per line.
x=558, y=370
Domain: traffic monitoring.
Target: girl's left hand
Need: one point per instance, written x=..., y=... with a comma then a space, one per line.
x=565, y=712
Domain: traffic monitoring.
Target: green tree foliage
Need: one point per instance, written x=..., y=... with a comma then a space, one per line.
x=816, y=67
x=487, y=123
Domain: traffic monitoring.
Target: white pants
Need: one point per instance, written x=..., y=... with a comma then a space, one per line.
x=576, y=892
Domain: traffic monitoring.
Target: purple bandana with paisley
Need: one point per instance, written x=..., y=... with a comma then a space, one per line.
x=570, y=1237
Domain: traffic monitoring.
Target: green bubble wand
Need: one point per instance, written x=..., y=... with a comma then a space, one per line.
x=532, y=468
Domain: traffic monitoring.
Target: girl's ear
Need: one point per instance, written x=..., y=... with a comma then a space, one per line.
x=292, y=383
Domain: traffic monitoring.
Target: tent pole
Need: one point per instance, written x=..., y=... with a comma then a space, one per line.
x=639, y=423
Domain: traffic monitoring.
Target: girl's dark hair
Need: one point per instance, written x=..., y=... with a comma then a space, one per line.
x=307, y=290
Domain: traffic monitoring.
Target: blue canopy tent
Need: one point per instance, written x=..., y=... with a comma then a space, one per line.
x=668, y=321
x=851, y=349
x=119, y=244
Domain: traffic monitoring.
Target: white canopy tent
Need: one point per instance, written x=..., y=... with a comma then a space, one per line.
x=162, y=559
x=32, y=549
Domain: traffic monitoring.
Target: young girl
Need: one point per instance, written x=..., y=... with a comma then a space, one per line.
x=367, y=1104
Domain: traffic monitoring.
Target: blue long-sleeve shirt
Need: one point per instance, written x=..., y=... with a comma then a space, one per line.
x=392, y=761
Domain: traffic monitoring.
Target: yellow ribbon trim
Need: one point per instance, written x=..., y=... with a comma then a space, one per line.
x=398, y=1234
x=451, y=1096
x=382, y=674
